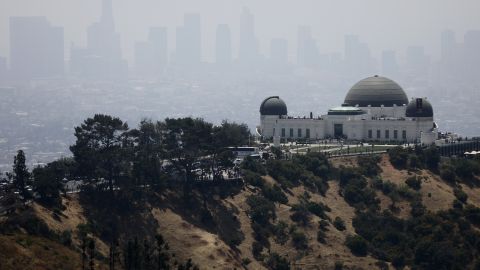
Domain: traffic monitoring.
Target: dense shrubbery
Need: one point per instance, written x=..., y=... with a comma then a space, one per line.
x=357, y=245
x=277, y=262
x=355, y=189
x=310, y=170
x=416, y=158
x=368, y=165
x=430, y=241
x=414, y=182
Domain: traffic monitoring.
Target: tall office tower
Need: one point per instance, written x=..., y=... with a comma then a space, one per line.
x=389, y=64
x=188, y=41
x=151, y=56
x=417, y=62
x=358, y=59
x=3, y=68
x=279, y=51
x=471, y=54
x=448, y=44
x=36, y=48
x=223, y=46
x=307, y=50
x=102, y=58
x=248, y=47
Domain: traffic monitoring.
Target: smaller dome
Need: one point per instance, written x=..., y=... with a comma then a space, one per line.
x=419, y=107
x=273, y=106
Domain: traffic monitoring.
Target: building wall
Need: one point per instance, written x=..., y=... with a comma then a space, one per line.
x=354, y=127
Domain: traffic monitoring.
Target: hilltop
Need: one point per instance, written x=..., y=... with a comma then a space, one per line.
x=407, y=208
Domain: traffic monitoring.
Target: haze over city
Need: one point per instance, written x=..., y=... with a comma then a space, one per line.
x=62, y=61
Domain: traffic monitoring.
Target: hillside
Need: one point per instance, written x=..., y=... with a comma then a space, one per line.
x=307, y=223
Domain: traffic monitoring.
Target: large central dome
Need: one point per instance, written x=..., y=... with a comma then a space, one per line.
x=376, y=91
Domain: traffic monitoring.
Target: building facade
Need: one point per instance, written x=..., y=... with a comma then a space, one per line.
x=375, y=109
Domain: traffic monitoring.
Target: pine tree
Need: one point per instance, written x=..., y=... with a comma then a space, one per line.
x=20, y=173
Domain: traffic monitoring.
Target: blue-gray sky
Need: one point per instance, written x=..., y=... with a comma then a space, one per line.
x=383, y=24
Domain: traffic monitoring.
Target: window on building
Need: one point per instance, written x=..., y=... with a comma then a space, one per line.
x=387, y=134
x=299, y=133
x=370, y=134
x=378, y=134
x=395, y=134
x=307, y=133
x=273, y=132
x=291, y=133
x=404, y=134
x=283, y=133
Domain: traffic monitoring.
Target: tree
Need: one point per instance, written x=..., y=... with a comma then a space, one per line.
x=186, y=141
x=47, y=184
x=98, y=148
x=147, y=159
x=21, y=175
x=432, y=157
x=357, y=245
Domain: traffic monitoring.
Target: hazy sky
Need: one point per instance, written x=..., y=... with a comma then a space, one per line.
x=383, y=24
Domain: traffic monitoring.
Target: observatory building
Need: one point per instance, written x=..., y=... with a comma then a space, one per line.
x=375, y=109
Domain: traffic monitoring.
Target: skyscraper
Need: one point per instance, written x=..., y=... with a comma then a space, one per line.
x=223, y=46
x=448, y=44
x=417, y=62
x=307, y=50
x=389, y=64
x=279, y=51
x=248, y=47
x=36, y=48
x=358, y=59
x=3, y=67
x=102, y=58
x=189, y=41
x=151, y=56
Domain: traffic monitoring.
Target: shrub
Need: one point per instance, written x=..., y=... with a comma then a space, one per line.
x=253, y=179
x=368, y=165
x=414, y=182
x=275, y=194
x=257, y=249
x=321, y=235
x=339, y=224
x=246, y=261
x=277, y=262
x=299, y=240
x=460, y=195
x=280, y=232
x=300, y=214
x=447, y=173
x=261, y=210
x=357, y=245
x=318, y=209
x=398, y=157
x=323, y=225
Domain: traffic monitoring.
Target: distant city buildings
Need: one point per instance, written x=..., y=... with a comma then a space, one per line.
x=389, y=64
x=102, y=58
x=358, y=59
x=248, y=53
x=279, y=51
x=36, y=48
x=307, y=50
x=223, y=46
x=3, y=68
x=188, y=50
x=151, y=56
x=37, y=52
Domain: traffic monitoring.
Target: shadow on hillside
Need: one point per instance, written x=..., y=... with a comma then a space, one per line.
x=204, y=207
